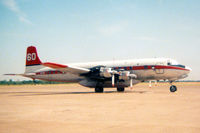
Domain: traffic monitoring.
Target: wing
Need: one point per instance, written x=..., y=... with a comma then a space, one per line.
x=66, y=68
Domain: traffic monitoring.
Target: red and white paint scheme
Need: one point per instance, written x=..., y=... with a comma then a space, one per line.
x=98, y=75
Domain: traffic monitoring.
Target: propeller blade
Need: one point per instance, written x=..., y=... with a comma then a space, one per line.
x=113, y=80
x=131, y=83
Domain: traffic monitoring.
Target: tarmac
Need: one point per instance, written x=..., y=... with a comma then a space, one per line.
x=71, y=108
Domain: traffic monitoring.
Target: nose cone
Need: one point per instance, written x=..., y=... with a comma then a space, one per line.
x=188, y=68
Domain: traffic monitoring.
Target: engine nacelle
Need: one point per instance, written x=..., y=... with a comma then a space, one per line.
x=125, y=75
x=88, y=83
x=106, y=72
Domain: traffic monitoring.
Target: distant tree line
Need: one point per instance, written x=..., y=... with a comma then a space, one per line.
x=11, y=82
x=24, y=82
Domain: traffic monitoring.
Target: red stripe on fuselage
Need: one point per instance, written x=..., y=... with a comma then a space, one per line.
x=150, y=67
x=171, y=67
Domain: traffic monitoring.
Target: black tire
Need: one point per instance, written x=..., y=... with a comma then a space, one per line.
x=120, y=89
x=173, y=88
x=99, y=89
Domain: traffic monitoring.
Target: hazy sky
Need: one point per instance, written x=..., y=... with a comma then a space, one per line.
x=67, y=31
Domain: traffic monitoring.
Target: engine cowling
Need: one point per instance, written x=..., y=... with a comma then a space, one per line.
x=126, y=75
x=106, y=72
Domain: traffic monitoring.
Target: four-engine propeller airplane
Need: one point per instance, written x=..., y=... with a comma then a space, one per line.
x=99, y=75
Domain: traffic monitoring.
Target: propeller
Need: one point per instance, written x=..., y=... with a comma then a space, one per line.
x=124, y=75
x=113, y=72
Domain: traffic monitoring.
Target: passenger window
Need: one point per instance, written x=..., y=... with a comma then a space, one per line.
x=145, y=67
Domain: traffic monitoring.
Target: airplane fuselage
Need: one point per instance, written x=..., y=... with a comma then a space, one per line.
x=145, y=69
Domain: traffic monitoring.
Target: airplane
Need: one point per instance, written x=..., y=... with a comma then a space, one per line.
x=105, y=74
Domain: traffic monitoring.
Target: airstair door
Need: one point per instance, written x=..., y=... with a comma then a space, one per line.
x=159, y=69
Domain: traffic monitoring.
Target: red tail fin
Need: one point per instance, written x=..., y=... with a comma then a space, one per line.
x=32, y=56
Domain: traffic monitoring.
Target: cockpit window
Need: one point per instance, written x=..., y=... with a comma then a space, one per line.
x=179, y=65
x=174, y=63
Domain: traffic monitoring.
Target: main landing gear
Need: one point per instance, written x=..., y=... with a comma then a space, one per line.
x=120, y=89
x=172, y=88
x=98, y=89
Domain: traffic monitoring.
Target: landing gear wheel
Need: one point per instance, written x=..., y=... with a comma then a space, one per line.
x=120, y=89
x=173, y=88
x=99, y=89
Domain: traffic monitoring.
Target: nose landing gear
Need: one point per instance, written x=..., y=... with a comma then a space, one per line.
x=172, y=88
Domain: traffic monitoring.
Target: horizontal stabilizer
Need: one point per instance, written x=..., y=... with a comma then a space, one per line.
x=25, y=75
x=11, y=74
